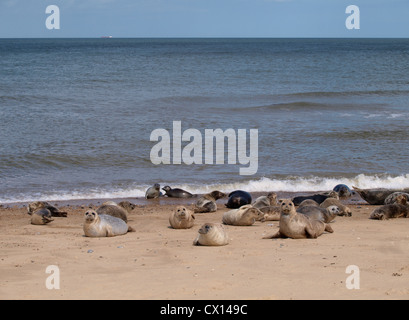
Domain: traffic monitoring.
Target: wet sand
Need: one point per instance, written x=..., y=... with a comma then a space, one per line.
x=157, y=262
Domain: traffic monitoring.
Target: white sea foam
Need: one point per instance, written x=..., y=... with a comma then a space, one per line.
x=289, y=184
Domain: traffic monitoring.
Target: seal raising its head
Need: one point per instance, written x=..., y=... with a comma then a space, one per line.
x=298, y=226
x=400, y=209
x=212, y=234
x=176, y=193
x=153, y=192
x=182, y=218
x=207, y=203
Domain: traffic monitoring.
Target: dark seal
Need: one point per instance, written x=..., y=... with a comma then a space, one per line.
x=238, y=198
x=176, y=193
x=343, y=191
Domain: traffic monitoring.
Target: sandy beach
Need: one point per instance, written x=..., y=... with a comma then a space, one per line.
x=157, y=262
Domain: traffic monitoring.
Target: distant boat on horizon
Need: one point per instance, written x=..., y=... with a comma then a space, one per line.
x=106, y=37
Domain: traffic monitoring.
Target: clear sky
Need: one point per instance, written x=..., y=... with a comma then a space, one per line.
x=204, y=18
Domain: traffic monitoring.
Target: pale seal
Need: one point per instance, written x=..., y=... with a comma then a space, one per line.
x=207, y=203
x=400, y=209
x=392, y=198
x=322, y=214
x=238, y=198
x=181, y=218
x=41, y=217
x=176, y=193
x=376, y=196
x=34, y=206
x=343, y=191
x=298, y=226
x=244, y=216
x=212, y=234
x=153, y=192
x=319, y=198
x=266, y=201
x=343, y=209
x=96, y=225
x=271, y=213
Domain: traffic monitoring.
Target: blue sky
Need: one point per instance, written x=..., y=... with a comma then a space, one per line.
x=204, y=18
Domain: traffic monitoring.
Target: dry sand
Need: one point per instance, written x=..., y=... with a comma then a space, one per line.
x=157, y=262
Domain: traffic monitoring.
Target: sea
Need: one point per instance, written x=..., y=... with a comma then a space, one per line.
x=77, y=115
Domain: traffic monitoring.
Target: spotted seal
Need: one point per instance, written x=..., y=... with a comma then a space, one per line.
x=41, y=217
x=400, y=209
x=322, y=214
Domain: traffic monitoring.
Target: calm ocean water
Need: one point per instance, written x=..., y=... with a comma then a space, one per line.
x=77, y=114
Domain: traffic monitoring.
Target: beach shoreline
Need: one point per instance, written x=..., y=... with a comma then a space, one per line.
x=158, y=263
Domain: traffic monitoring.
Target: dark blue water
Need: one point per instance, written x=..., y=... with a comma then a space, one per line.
x=77, y=114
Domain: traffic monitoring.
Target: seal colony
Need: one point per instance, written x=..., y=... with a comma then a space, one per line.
x=302, y=217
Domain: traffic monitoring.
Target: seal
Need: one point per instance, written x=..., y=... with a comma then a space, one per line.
x=298, y=226
x=244, y=216
x=207, y=203
x=238, y=198
x=153, y=192
x=41, y=217
x=34, y=206
x=181, y=218
x=102, y=225
x=319, y=198
x=114, y=211
x=392, y=198
x=376, y=196
x=271, y=213
x=322, y=214
x=176, y=193
x=309, y=203
x=266, y=201
x=212, y=234
x=343, y=191
x=400, y=209
x=343, y=210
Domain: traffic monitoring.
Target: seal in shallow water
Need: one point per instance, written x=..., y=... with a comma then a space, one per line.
x=153, y=192
x=96, y=225
x=181, y=218
x=176, y=193
x=296, y=225
x=212, y=234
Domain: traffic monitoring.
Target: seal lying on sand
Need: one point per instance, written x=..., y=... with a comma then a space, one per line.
x=390, y=211
x=207, y=203
x=298, y=226
x=103, y=225
x=41, y=217
x=181, y=218
x=271, y=213
x=34, y=206
x=343, y=210
x=238, y=198
x=343, y=191
x=392, y=198
x=119, y=210
x=266, y=201
x=212, y=234
x=319, y=198
x=176, y=193
x=376, y=196
x=153, y=192
x=244, y=216
x=322, y=214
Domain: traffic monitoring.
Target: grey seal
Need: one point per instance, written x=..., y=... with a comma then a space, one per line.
x=322, y=214
x=55, y=212
x=207, y=203
x=319, y=198
x=400, y=209
x=41, y=217
x=212, y=234
x=243, y=216
x=376, y=196
x=298, y=226
x=96, y=225
x=238, y=198
x=181, y=218
x=153, y=192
